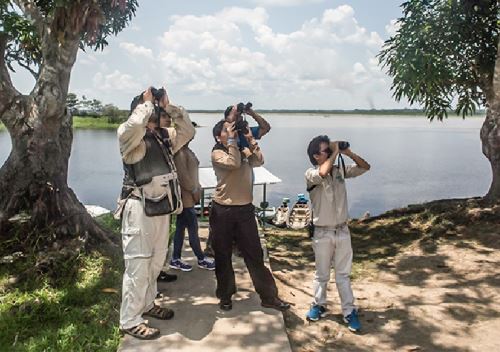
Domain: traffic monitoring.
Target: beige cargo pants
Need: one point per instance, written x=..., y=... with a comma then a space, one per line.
x=145, y=244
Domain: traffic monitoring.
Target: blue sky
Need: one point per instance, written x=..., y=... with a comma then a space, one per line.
x=290, y=54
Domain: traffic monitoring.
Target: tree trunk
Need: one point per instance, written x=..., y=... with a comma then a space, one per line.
x=490, y=137
x=35, y=200
x=490, y=134
x=33, y=181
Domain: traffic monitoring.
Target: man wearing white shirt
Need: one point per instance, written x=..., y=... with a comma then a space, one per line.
x=331, y=238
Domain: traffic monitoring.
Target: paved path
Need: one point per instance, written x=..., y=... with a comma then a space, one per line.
x=200, y=325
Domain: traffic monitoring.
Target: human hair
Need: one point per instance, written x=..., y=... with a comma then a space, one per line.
x=314, y=147
x=228, y=111
x=136, y=101
x=217, y=130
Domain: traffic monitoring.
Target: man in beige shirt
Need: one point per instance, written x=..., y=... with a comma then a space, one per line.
x=331, y=239
x=150, y=193
x=232, y=216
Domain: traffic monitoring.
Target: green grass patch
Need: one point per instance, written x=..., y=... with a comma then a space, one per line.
x=79, y=314
x=97, y=123
x=2, y=127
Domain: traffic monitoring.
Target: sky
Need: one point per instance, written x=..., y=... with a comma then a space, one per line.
x=278, y=54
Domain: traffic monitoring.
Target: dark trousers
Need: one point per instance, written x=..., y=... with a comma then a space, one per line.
x=237, y=223
x=187, y=219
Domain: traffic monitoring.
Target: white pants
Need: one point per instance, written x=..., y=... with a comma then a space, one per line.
x=145, y=244
x=333, y=247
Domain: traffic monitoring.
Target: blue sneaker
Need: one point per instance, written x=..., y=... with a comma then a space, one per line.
x=316, y=312
x=352, y=321
x=323, y=311
x=179, y=265
x=206, y=264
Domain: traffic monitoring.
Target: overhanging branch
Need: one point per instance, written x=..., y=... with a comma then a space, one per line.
x=32, y=12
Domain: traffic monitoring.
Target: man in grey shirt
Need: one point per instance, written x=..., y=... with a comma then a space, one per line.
x=331, y=239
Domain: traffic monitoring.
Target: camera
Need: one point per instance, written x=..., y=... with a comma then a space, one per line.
x=241, y=126
x=343, y=145
x=240, y=108
x=158, y=94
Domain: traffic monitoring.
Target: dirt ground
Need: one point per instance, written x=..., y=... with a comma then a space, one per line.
x=425, y=278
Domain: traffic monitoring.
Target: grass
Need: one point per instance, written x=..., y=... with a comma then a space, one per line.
x=78, y=314
x=97, y=123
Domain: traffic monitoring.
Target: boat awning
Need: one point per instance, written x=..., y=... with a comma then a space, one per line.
x=262, y=177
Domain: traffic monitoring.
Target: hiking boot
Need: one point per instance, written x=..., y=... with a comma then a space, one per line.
x=277, y=304
x=352, y=321
x=177, y=264
x=206, y=264
x=316, y=312
x=166, y=277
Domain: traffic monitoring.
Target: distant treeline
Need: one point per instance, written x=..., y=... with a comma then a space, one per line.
x=343, y=112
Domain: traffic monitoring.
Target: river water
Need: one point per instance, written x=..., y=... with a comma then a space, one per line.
x=412, y=159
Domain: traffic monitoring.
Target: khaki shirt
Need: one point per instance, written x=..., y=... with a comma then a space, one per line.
x=187, y=164
x=131, y=132
x=329, y=197
x=235, y=175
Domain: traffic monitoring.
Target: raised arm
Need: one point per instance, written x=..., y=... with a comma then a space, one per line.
x=361, y=164
x=227, y=160
x=253, y=152
x=327, y=166
x=131, y=132
x=264, y=126
x=183, y=130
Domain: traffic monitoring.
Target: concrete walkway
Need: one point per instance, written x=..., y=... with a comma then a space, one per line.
x=200, y=325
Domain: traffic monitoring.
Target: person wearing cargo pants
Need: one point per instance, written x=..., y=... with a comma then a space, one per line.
x=147, y=150
x=331, y=239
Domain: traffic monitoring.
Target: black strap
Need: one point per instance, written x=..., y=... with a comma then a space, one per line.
x=341, y=160
x=309, y=189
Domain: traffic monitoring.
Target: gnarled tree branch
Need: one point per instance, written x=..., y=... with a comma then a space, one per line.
x=7, y=90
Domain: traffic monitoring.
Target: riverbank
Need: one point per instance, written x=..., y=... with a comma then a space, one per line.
x=425, y=277
x=94, y=123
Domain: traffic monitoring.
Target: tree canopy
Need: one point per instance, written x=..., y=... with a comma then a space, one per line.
x=25, y=22
x=44, y=36
x=443, y=55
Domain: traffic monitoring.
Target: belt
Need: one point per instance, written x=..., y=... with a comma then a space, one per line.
x=335, y=227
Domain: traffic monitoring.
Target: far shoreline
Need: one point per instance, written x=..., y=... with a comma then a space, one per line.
x=101, y=123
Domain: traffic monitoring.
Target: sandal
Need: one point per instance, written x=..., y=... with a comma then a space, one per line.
x=160, y=313
x=142, y=331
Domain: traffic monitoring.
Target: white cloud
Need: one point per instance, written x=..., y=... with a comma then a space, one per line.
x=136, y=50
x=235, y=54
x=286, y=3
x=392, y=27
x=211, y=54
x=115, y=81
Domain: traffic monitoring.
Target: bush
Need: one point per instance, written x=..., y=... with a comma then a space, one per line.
x=114, y=114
